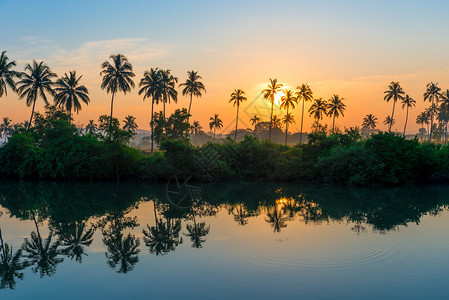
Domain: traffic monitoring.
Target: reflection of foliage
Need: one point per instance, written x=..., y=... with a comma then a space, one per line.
x=241, y=214
x=197, y=232
x=75, y=237
x=10, y=265
x=42, y=254
x=276, y=218
x=122, y=252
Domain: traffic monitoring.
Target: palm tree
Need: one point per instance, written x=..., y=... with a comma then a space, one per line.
x=432, y=94
x=276, y=122
x=197, y=129
x=69, y=93
x=196, y=233
x=276, y=219
x=318, y=109
x=7, y=74
x=287, y=119
x=151, y=87
x=6, y=127
x=91, y=127
x=443, y=118
x=407, y=102
x=167, y=87
x=389, y=121
x=193, y=86
x=421, y=119
x=237, y=97
x=335, y=107
x=130, y=123
x=444, y=106
x=303, y=94
x=254, y=120
x=75, y=238
x=117, y=77
x=396, y=93
x=269, y=93
x=215, y=122
x=122, y=251
x=37, y=82
x=369, y=122
x=10, y=265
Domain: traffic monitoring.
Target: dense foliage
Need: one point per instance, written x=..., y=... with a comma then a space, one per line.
x=55, y=149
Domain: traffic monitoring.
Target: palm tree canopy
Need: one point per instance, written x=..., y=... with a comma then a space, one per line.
x=288, y=119
x=193, y=86
x=216, y=122
x=7, y=74
x=196, y=127
x=408, y=102
x=237, y=97
x=273, y=88
x=150, y=85
x=370, y=121
x=304, y=93
x=117, y=75
x=167, y=86
x=394, y=92
x=433, y=92
x=69, y=92
x=389, y=121
x=288, y=100
x=36, y=81
x=318, y=108
x=276, y=122
x=254, y=120
x=335, y=106
x=422, y=118
x=130, y=123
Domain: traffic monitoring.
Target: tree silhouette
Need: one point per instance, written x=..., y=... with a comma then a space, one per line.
x=130, y=124
x=70, y=94
x=407, y=102
x=421, y=119
x=215, y=122
x=197, y=232
x=269, y=93
x=10, y=265
x=254, y=120
x=75, y=237
x=193, y=86
x=369, y=122
x=335, y=108
x=237, y=97
x=37, y=82
x=304, y=94
x=389, y=121
x=196, y=129
x=318, y=109
x=7, y=74
x=276, y=218
x=91, y=127
x=396, y=93
x=432, y=94
x=167, y=87
x=288, y=100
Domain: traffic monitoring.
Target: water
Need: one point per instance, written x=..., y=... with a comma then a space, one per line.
x=223, y=241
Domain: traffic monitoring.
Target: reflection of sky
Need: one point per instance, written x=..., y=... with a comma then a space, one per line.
x=351, y=48
x=312, y=260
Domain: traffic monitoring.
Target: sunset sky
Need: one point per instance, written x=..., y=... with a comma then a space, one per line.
x=350, y=48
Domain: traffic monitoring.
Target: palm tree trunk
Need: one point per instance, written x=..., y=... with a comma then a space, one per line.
x=422, y=131
x=152, y=124
x=392, y=115
x=286, y=129
x=32, y=113
x=333, y=123
x=110, y=120
x=445, y=133
x=302, y=117
x=271, y=117
x=406, y=118
x=214, y=131
x=190, y=105
x=431, y=121
x=236, y=123
x=195, y=138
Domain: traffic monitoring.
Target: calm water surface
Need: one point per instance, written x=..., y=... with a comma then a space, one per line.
x=222, y=241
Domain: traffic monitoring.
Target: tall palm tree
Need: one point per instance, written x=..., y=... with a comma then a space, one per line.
x=276, y=122
x=288, y=100
x=335, y=108
x=117, y=77
x=237, y=97
x=443, y=118
x=7, y=74
x=269, y=93
x=215, y=122
x=91, y=127
x=421, y=119
x=444, y=106
x=197, y=129
x=407, y=102
x=396, y=93
x=389, y=121
x=151, y=88
x=193, y=87
x=37, y=82
x=287, y=119
x=318, y=109
x=167, y=87
x=254, y=120
x=303, y=94
x=369, y=122
x=130, y=123
x=432, y=94
x=69, y=93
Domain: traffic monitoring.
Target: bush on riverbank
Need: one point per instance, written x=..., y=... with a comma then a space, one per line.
x=55, y=149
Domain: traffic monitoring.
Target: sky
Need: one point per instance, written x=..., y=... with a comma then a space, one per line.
x=350, y=48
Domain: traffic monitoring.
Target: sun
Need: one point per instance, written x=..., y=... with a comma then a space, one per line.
x=277, y=97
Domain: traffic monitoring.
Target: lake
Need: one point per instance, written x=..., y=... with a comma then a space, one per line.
x=222, y=241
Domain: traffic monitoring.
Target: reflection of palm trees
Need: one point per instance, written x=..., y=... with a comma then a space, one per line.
x=122, y=251
x=164, y=237
x=10, y=265
x=240, y=214
x=290, y=208
x=75, y=238
x=43, y=254
x=276, y=219
x=196, y=233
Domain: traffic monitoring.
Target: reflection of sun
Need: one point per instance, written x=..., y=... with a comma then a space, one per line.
x=277, y=97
